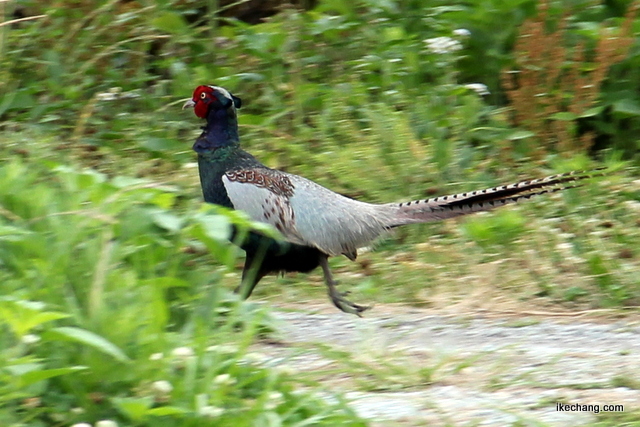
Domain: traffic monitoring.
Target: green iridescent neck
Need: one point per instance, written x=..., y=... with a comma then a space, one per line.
x=221, y=131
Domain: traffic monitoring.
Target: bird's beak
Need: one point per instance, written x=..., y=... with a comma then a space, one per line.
x=189, y=104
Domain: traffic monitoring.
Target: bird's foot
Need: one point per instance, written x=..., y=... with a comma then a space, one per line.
x=338, y=299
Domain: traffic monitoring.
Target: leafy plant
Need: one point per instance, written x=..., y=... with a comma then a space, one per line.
x=555, y=84
x=111, y=309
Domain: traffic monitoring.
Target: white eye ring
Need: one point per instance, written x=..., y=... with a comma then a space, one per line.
x=203, y=95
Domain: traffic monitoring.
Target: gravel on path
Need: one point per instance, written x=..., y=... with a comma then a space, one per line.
x=487, y=371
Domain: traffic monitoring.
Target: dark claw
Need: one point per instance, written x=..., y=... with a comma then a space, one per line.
x=337, y=298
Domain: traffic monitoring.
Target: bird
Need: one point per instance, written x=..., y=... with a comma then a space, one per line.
x=316, y=223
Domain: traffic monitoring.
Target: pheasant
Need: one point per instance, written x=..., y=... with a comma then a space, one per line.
x=316, y=223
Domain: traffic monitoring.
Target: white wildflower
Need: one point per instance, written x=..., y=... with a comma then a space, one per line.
x=106, y=423
x=156, y=356
x=182, y=352
x=443, y=45
x=162, y=387
x=30, y=339
x=553, y=220
x=210, y=411
x=32, y=402
x=181, y=355
x=276, y=395
x=274, y=399
x=573, y=259
x=254, y=358
x=224, y=379
x=106, y=96
x=81, y=425
x=462, y=32
x=117, y=93
x=632, y=205
x=131, y=94
x=223, y=349
x=284, y=369
x=110, y=95
x=478, y=88
x=564, y=247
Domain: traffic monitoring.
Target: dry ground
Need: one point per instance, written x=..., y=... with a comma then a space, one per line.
x=413, y=367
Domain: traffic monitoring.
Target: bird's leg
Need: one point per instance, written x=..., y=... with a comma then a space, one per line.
x=252, y=272
x=336, y=297
x=251, y=275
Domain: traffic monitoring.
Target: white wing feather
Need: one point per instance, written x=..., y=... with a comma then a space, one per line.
x=265, y=206
x=313, y=215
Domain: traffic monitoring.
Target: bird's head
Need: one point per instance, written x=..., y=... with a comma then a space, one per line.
x=207, y=97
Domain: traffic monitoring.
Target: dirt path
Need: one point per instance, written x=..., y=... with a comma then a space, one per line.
x=405, y=366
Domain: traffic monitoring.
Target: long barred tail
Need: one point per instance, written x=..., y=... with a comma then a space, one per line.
x=450, y=206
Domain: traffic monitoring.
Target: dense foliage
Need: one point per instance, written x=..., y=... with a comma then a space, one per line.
x=305, y=70
x=111, y=270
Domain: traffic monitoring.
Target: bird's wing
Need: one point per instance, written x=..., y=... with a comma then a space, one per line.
x=305, y=212
x=264, y=195
x=333, y=223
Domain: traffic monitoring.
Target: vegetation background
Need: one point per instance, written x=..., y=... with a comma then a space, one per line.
x=115, y=278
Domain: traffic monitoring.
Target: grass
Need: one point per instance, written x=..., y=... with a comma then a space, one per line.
x=114, y=277
x=611, y=419
x=376, y=370
x=110, y=312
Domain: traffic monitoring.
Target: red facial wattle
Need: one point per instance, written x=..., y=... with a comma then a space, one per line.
x=201, y=108
x=202, y=96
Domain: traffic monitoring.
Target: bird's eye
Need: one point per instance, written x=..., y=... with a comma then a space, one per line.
x=203, y=95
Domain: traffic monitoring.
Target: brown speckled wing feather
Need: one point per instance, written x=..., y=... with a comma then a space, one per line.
x=264, y=195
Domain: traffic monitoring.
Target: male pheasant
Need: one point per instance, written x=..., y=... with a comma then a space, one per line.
x=316, y=222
